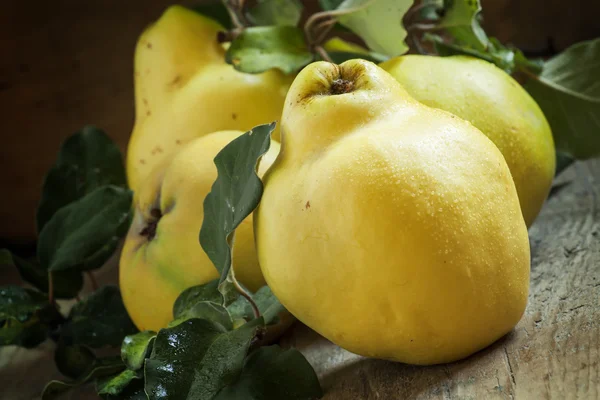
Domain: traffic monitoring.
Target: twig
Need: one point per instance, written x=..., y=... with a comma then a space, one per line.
x=423, y=27
x=324, y=55
x=233, y=14
x=308, y=26
x=326, y=27
x=93, y=280
x=50, y=288
x=248, y=297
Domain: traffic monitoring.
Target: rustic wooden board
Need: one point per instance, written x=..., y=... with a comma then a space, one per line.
x=552, y=353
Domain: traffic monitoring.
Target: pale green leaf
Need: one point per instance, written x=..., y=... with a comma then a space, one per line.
x=260, y=48
x=568, y=92
x=378, y=23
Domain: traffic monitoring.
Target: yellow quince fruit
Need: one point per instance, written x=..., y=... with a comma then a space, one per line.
x=184, y=89
x=162, y=255
x=489, y=98
x=391, y=228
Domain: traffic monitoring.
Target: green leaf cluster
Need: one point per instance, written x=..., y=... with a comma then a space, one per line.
x=85, y=209
x=212, y=348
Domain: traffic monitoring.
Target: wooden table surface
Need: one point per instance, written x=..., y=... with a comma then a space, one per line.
x=553, y=353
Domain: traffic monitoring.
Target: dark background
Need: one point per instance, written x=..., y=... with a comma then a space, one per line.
x=67, y=63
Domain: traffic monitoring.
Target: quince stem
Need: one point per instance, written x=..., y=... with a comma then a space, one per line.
x=248, y=297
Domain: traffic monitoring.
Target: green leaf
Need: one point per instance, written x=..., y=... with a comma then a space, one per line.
x=103, y=367
x=234, y=195
x=276, y=12
x=72, y=360
x=116, y=384
x=196, y=359
x=273, y=373
x=87, y=160
x=367, y=17
x=66, y=284
x=214, y=10
x=507, y=58
x=563, y=161
x=207, y=292
x=268, y=305
x=204, y=302
x=99, y=320
x=460, y=21
x=136, y=348
x=85, y=234
x=258, y=49
x=568, y=93
x=25, y=316
x=213, y=312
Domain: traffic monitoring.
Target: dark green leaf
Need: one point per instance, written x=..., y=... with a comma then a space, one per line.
x=136, y=348
x=216, y=11
x=276, y=12
x=84, y=234
x=87, y=160
x=27, y=334
x=563, y=161
x=265, y=300
x=103, y=367
x=367, y=17
x=99, y=320
x=116, y=384
x=258, y=49
x=207, y=292
x=24, y=316
x=73, y=360
x=66, y=284
x=20, y=303
x=507, y=58
x=213, y=312
x=460, y=21
x=274, y=373
x=204, y=302
x=196, y=359
x=234, y=195
x=568, y=93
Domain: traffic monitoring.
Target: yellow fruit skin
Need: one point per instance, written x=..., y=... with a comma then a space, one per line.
x=489, y=98
x=154, y=272
x=391, y=228
x=184, y=89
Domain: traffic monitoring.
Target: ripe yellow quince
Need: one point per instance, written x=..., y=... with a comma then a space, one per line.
x=391, y=228
x=489, y=98
x=162, y=255
x=184, y=89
